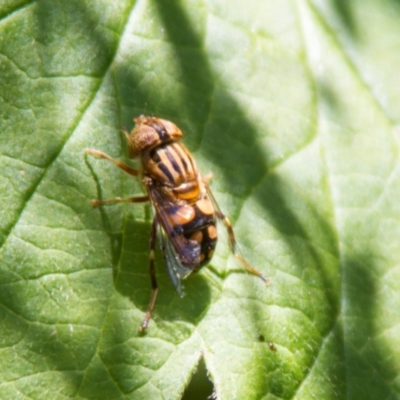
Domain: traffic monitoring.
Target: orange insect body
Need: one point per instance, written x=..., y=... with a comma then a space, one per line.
x=185, y=208
x=177, y=191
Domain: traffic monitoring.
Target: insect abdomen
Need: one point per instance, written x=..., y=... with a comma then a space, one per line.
x=203, y=230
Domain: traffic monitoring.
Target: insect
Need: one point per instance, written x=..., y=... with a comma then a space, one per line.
x=186, y=212
x=272, y=346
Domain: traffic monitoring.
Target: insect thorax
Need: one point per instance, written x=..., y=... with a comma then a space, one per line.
x=172, y=168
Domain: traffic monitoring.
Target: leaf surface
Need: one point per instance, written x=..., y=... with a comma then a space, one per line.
x=293, y=106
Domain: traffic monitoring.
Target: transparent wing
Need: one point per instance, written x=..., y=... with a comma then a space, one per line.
x=219, y=214
x=181, y=254
x=175, y=269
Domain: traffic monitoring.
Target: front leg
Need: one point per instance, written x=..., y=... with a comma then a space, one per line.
x=125, y=168
x=99, y=154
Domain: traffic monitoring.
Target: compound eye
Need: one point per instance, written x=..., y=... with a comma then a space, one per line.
x=151, y=132
x=142, y=138
x=173, y=132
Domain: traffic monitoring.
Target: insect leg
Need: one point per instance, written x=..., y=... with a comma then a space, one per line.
x=99, y=154
x=233, y=246
x=153, y=235
x=124, y=167
x=135, y=199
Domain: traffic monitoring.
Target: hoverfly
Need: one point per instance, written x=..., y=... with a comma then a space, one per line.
x=186, y=212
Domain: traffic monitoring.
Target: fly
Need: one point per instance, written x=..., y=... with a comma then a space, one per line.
x=186, y=212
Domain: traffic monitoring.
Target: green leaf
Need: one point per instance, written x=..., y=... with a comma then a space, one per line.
x=294, y=108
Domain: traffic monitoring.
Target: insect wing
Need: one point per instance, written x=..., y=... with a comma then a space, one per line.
x=220, y=215
x=182, y=255
x=176, y=270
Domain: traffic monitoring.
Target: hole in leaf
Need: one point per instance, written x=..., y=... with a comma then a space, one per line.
x=200, y=387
